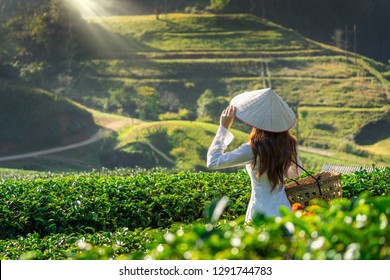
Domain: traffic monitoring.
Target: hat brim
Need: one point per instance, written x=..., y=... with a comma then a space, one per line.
x=265, y=110
x=268, y=130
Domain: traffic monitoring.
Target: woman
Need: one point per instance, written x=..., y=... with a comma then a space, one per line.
x=270, y=155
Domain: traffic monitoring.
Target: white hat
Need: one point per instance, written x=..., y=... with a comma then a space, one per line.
x=264, y=109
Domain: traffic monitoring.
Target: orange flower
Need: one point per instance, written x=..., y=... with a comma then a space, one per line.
x=312, y=207
x=307, y=213
x=297, y=206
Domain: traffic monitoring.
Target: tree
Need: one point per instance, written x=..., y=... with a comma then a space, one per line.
x=338, y=39
x=210, y=106
x=219, y=5
x=122, y=101
x=147, y=103
x=45, y=38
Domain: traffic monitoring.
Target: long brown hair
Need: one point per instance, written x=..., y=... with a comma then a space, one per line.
x=275, y=151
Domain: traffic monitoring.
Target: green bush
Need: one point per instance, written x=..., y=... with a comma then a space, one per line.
x=159, y=214
x=67, y=246
x=376, y=182
x=91, y=203
x=343, y=229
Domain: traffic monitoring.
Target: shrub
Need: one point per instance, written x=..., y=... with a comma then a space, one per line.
x=92, y=203
x=343, y=229
x=377, y=182
x=158, y=214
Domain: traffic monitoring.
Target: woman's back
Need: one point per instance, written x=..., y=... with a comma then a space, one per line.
x=270, y=153
x=264, y=198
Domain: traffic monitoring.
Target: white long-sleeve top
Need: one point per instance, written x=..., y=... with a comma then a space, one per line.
x=262, y=199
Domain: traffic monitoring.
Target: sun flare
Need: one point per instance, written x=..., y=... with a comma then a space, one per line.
x=90, y=8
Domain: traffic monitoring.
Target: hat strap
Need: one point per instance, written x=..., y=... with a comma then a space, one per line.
x=317, y=179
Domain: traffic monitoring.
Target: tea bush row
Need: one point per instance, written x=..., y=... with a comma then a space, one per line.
x=93, y=202
x=376, y=182
x=343, y=229
x=61, y=246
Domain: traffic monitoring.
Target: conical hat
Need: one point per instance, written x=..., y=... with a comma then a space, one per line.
x=264, y=109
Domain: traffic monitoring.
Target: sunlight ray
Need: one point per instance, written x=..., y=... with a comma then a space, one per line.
x=89, y=8
x=99, y=16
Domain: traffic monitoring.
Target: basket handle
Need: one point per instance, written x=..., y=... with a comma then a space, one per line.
x=317, y=179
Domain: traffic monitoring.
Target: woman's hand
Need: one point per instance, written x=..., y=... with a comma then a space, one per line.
x=227, y=117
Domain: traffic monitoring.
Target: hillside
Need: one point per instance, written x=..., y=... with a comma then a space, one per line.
x=318, y=20
x=155, y=71
x=340, y=97
x=176, y=144
x=33, y=119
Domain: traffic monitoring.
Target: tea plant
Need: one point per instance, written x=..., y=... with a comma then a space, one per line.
x=343, y=229
x=159, y=214
x=67, y=246
x=95, y=203
x=376, y=182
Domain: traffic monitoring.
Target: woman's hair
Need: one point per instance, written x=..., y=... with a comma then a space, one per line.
x=275, y=151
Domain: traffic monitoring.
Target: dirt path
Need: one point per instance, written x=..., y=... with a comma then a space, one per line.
x=315, y=151
x=92, y=139
x=162, y=154
x=117, y=125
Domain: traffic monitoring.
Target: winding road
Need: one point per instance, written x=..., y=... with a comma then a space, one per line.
x=116, y=126
x=92, y=139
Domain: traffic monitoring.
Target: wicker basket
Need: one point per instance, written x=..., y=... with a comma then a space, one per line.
x=324, y=185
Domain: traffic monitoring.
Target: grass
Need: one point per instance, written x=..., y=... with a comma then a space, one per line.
x=335, y=122
x=380, y=148
x=33, y=119
x=112, y=121
x=184, y=142
x=297, y=67
x=323, y=83
x=204, y=32
x=84, y=158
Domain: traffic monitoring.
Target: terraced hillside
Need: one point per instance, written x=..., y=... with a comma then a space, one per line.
x=340, y=97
